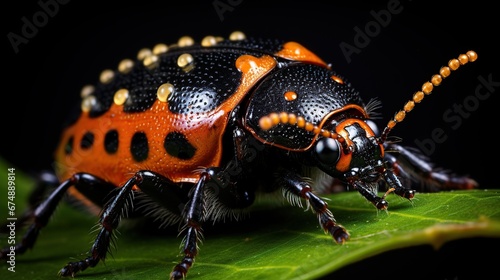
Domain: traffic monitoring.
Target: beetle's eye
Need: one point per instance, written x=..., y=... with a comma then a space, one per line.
x=327, y=151
x=374, y=127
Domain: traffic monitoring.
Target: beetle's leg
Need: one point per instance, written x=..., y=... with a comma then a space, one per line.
x=231, y=187
x=109, y=221
x=46, y=181
x=396, y=186
x=193, y=216
x=44, y=211
x=295, y=185
x=413, y=168
x=153, y=185
x=379, y=202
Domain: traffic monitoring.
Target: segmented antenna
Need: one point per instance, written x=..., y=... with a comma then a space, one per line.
x=427, y=88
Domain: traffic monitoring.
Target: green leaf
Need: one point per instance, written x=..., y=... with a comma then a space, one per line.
x=275, y=241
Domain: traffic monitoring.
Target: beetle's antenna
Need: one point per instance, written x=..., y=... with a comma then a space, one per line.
x=427, y=88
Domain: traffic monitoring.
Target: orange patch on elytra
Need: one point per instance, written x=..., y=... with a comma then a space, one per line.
x=290, y=95
x=295, y=51
x=337, y=79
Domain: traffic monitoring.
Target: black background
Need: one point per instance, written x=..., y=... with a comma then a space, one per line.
x=43, y=79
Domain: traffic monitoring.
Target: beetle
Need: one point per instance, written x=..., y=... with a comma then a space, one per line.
x=189, y=132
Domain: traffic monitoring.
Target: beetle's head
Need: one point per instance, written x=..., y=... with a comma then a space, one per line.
x=351, y=148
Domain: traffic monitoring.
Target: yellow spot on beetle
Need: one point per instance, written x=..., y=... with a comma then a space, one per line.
x=209, y=41
x=151, y=61
x=185, y=41
x=88, y=102
x=237, y=36
x=185, y=60
x=125, y=66
x=164, y=91
x=159, y=49
x=143, y=53
x=86, y=91
x=120, y=96
x=106, y=76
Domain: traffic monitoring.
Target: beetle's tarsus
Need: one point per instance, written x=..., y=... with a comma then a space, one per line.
x=73, y=267
x=180, y=270
x=339, y=234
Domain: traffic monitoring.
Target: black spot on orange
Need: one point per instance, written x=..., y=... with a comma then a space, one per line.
x=139, y=146
x=111, y=141
x=87, y=140
x=177, y=145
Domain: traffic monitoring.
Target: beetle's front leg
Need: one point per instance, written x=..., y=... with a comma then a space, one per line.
x=366, y=182
x=295, y=185
x=396, y=186
x=368, y=193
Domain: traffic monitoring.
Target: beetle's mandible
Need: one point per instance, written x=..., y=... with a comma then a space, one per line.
x=189, y=132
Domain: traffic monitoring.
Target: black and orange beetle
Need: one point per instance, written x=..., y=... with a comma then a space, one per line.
x=190, y=132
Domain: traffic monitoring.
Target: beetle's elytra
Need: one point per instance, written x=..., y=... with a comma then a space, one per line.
x=195, y=130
